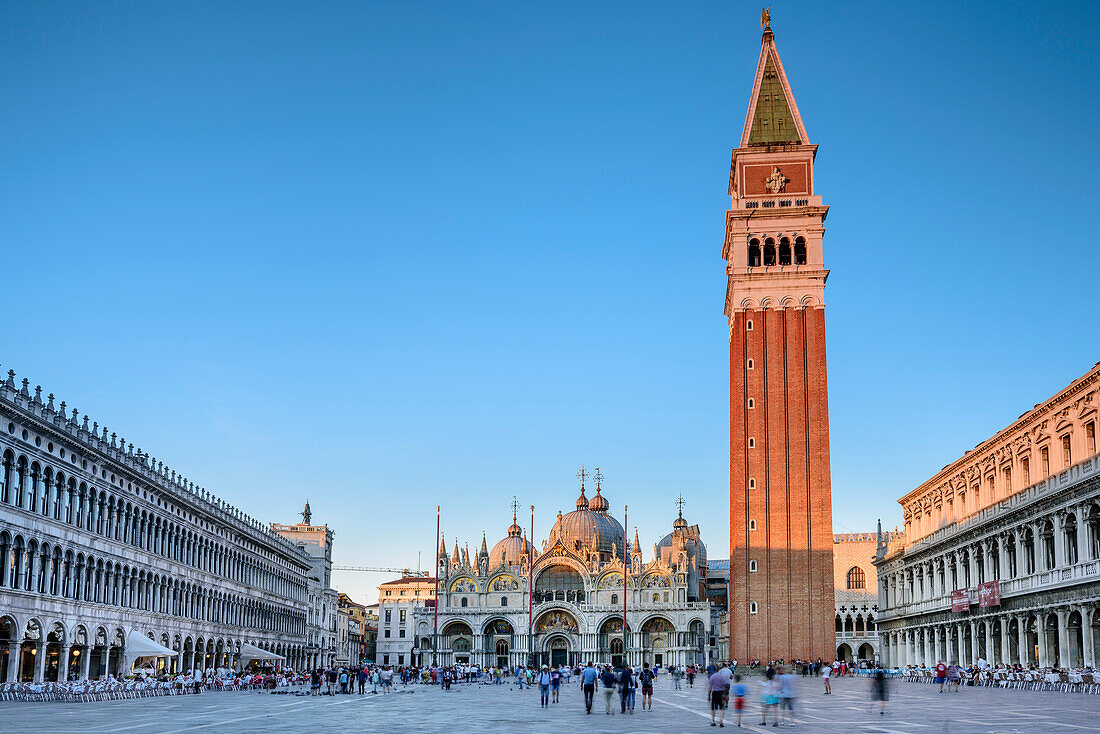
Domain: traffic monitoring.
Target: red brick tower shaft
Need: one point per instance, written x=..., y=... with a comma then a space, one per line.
x=781, y=568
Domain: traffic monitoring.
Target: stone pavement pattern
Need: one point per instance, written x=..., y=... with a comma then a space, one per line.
x=914, y=708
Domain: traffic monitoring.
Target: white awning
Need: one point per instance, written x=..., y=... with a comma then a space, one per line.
x=251, y=652
x=140, y=646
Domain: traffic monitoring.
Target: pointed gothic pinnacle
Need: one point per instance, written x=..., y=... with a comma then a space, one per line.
x=11, y=379
x=25, y=391
x=38, y=394
x=75, y=414
x=49, y=406
x=84, y=426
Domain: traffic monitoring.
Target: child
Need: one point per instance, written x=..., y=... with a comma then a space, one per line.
x=738, y=693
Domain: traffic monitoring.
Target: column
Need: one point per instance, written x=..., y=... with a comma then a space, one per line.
x=1084, y=552
x=1044, y=657
x=1006, y=644
x=973, y=642
x=14, y=651
x=105, y=661
x=989, y=651
x=1086, y=639
x=1021, y=556
x=1021, y=640
x=85, y=662
x=960, y=650
x=63, y=664
x=928, y=655
x=935, y=645
x=1059, y=541
x=40, y=662
x=1063, y=637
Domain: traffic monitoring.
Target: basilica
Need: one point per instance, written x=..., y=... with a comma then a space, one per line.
x=586, y=595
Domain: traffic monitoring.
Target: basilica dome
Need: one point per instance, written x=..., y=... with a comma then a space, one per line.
x=590, y=528
x=511, y=549
x=686, y=538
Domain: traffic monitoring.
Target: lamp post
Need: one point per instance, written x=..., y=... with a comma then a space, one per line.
x=435, y=613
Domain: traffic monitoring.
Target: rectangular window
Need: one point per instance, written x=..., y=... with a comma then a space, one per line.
x=1090, y=438
x=388, y=614
x=400, y=659
x=385, y=659
x=1067, y=457
x=1025, y=466
x=1044, y=461
x=401, y=632
x=387, y=633
x=1008, y=479
x=402, y=616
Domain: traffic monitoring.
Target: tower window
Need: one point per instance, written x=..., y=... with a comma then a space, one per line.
x=754, y=253
x=750, y=364
x=752, y=404
x=784, y=251
x=753, y=608
x=748, y=325
x=769, y=252
x=752, y=525
x=799, y=251
x=752, y=483
x=752, y=566
x=752, y=442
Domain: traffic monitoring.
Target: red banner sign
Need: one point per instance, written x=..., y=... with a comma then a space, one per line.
x=960, y=600
x=989, y=594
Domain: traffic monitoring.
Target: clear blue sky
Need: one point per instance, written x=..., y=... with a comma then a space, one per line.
x=389, y=255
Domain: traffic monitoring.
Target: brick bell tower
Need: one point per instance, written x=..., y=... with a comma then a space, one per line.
x=781, y=562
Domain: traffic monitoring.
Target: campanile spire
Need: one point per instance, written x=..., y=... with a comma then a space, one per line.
x=781, y=583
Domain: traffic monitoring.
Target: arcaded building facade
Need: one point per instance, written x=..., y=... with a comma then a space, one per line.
x=581, y=577
x=110, y=560
x=1000, y=556
x=781, y=572
x=855, y=590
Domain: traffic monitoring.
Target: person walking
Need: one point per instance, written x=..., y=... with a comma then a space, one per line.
x=626, y=680
x=607, y=685
x=691, y=676
x=787, y=693
x=769, y=698
x=826, y=673
x=544, y=687
x=588, y=686
x=738, y=692
x=879, y=691
x=646, y=678
x=555, y=684
x=941, y=674
x=718, y=691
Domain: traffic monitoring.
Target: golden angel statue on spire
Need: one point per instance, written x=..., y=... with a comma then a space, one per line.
x=765, y=17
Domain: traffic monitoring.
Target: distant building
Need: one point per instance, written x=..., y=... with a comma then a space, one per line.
x=396, y=632
x=316, y=541
x=856, y=594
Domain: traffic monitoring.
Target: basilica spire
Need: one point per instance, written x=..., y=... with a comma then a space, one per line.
x=772, y=117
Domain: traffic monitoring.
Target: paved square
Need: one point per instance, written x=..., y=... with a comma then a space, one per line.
x=914, y=708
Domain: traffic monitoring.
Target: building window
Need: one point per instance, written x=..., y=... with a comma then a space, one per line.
x=387, y=633
x=752, y=566
x=856, y=578
x=752, y=442
x=752, y=404
x=1090, y=438
x=400, y=659
x=504, y=601
x=748, y=325
x=401, y=632
x=769, y=251
x=752, y=525
x=388, y=615
x=1008, y=479
x=752, y=483
x=799, y=251
x=754, y=256
x=784, y=251
x=1025, y=466
x=750, y=364
x=385, y=659
x=1067, y=457
x=463, y=602
x=752, y=607
x=614, y=598
x=402, y=613
x=1044, y=461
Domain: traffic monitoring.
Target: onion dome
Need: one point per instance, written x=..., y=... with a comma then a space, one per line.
x=679, y=523
x=598, y=503
x=582, y=501
x=510, y=550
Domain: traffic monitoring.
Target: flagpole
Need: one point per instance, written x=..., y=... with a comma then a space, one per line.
x=435, y=621
x=530, y=590
x=626, y=585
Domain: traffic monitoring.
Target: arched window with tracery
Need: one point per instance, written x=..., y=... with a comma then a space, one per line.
x=856, y=578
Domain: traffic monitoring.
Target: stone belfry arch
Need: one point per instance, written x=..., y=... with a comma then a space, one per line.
x=780, y=495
